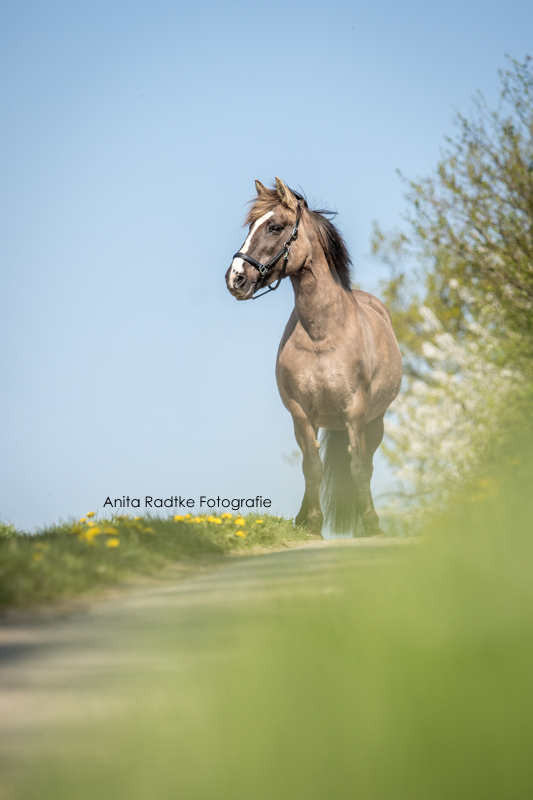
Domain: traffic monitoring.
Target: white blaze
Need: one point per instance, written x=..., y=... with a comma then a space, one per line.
x=237, y=265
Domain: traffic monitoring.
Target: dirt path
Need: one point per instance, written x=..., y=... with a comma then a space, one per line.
x=54, y=668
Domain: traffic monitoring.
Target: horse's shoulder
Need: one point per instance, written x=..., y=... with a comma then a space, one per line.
x=367, y=299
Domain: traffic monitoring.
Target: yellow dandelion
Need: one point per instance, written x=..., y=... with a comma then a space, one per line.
x=88, y=540
x=226, y=516
x=136, y=518
x=90, y=514
x=83, y=519
x=188, y=516
x=242, y=534
x=178, y=517
x=239, y=521
x=109, y=529
x=89, y=534
x=216, y=520
x=259, y=522
x=114, y=542
x=197, y=519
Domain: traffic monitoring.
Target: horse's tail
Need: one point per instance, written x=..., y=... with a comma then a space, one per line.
x=339, y=496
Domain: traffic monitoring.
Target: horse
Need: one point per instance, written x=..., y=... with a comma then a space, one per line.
x=338, y=366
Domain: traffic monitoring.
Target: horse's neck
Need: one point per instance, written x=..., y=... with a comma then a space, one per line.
x=320, y=299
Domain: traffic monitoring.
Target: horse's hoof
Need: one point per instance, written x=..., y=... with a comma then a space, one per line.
x=314, y=533
x=375, y=532
x=312, y=530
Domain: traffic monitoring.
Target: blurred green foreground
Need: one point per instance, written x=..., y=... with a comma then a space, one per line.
x=348, y=672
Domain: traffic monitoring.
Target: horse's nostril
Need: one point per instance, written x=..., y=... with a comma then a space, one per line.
x=239, y=281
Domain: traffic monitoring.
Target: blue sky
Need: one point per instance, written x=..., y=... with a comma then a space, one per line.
x=131, y=136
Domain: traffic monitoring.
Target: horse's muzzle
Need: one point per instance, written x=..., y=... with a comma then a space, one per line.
x=239, y=285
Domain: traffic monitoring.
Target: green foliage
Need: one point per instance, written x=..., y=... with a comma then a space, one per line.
x=73, y=558
x=460, y=293
x=7, y=530
x=480, y=207
x=407, y=679
x=471, y=227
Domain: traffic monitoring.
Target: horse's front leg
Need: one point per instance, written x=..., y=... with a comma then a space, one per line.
x=361, y=469
x=310, y=513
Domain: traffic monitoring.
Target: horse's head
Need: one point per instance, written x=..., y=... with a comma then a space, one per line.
x=275, y=245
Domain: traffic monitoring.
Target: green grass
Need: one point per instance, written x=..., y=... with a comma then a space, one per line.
x=70, y=559
x=413, y=680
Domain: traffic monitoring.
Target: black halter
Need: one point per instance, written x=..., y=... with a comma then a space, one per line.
x=264, y=269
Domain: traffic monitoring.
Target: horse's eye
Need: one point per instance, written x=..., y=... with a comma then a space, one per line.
x=275, y=228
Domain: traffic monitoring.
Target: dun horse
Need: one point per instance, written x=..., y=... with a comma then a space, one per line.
x=338, y=366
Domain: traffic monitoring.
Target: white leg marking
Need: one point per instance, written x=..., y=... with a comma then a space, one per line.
x=237, y=265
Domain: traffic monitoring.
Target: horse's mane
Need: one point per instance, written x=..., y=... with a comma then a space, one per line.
x=329, y=236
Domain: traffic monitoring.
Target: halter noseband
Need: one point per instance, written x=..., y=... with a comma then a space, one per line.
x=264, y=269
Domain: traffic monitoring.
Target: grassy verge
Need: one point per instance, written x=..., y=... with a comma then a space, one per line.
x=407, y=680
x=72, y=558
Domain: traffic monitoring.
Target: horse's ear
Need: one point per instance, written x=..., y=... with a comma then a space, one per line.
x=260, y=189
x=285, y=195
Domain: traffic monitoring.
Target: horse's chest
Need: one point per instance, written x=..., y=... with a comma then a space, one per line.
x=320, y=383
x=321, y=379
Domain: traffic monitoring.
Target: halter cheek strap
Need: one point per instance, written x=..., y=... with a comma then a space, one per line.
x=284, y=253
